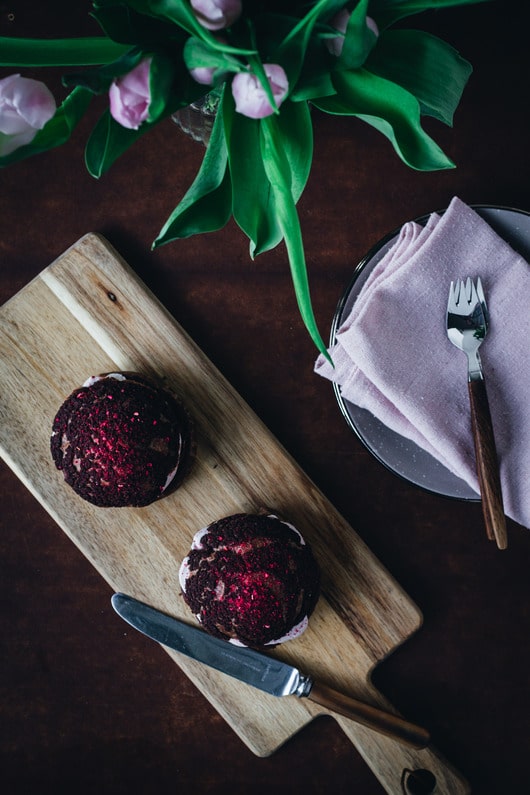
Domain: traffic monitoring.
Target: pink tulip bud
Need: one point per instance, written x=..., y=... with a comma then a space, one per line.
x=250, y=97
x=217, y=14
x=340, y=22
x=372, y=24
x=130, y=96
x=203, y=75
x=25, y=107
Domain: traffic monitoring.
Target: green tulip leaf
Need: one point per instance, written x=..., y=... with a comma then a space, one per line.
x=207, y=206
x=296, y=129
x=108, y=141
x=426, y=66
x=358, y=40
x=291, y=52
x=315, y=77
x=198, y=54
x=58, y=52
x=161, y=80
x=277, y=167
x=253, y=201
x=313, y=86
x=390, y=109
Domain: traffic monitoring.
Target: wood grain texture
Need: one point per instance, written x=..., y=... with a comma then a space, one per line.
x=88, y=313
x=487, y=464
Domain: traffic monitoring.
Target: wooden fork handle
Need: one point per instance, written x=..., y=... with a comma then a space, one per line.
x=487, y=464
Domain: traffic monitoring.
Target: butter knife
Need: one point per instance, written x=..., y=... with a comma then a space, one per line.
x=260, y=670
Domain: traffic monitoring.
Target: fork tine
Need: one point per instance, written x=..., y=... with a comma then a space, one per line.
x=473, y=295
x=482, y=299
x=454, y=291
x=480, y=292
x=450, y=298
x=471, y=292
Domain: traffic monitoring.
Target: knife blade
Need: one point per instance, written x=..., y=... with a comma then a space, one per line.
x=260, y=670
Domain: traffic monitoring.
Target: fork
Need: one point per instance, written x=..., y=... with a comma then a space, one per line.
x=467, y=326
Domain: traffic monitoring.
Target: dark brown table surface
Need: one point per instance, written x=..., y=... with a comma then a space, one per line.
x=86, y=709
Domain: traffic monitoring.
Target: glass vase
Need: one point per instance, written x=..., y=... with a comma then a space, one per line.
x=196, y=120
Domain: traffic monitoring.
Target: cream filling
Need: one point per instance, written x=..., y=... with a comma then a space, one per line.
x=95, y=378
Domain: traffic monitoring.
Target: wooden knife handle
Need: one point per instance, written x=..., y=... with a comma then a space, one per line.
x=372, y=717
x=487, y=464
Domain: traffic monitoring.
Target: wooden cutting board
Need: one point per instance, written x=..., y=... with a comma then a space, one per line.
x=89, y=313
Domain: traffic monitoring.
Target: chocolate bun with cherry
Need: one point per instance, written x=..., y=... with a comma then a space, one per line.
x=121, y=440
x=251, y=579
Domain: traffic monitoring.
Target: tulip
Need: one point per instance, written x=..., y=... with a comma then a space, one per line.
x=203, y=74
x=250, y=97
x=372, y=25
x=25, y=107
x=216, y=14
x=340, y=22
x=130, y=96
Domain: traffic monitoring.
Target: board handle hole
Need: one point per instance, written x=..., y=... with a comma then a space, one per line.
x=418, y=782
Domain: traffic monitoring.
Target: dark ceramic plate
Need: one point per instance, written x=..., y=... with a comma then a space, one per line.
x=397, y=453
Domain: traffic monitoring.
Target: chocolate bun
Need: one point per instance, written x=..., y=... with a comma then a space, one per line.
x=122, y=440
x=251, y=579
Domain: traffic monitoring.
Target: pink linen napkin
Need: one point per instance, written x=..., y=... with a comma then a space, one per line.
x=393, y=358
